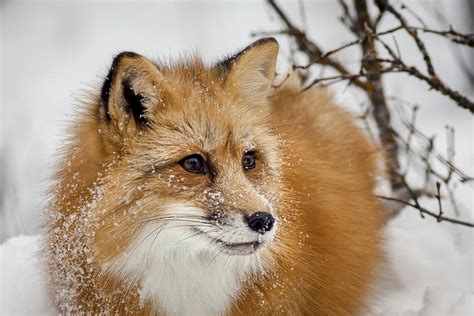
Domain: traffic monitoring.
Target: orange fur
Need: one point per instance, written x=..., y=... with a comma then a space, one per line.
x=313, y=164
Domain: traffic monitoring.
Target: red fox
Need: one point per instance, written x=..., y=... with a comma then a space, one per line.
x=195, y=189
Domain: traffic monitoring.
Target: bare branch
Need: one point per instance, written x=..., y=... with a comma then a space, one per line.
x=451, y=34
x=412, y=32
x=424, y=211
x=311, y=49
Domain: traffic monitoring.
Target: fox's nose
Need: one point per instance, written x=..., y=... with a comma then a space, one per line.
x=260, y=222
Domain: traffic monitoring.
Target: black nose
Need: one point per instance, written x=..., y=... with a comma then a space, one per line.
x=260, y=222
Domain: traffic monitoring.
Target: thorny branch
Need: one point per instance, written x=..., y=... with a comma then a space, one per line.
x=374, y=64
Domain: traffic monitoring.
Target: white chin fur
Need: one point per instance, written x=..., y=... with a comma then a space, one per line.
x=184, y=273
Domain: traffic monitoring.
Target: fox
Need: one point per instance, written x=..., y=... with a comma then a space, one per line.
x=187, y=188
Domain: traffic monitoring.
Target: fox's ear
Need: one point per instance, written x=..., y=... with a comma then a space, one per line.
x=253, y=69
x=129, y=91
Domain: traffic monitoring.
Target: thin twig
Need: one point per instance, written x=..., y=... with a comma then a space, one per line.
x=427, y=212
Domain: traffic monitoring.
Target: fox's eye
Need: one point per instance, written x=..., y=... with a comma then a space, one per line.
x=194, y=163
x=248, y=161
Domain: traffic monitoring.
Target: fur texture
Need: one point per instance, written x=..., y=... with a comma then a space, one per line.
x=130, y=231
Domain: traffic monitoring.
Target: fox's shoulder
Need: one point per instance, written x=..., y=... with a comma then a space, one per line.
x=306, y=106
x=317, y=130
x=313, y=112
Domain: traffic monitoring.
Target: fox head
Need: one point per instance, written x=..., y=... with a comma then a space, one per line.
x=193, y=167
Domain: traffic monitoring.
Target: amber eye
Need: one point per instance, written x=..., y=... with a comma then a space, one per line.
x=194, y=163
x=248, y=161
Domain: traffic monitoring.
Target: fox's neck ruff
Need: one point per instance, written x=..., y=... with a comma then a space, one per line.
x=180, y=280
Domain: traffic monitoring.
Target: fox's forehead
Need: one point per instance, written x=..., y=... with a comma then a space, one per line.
x=202, y=115
x=206, y=130
x=193, y=79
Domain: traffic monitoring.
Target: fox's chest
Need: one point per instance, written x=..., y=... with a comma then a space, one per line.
x=192, y=289
x=177, y=280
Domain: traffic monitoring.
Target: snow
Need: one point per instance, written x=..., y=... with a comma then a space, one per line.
x=23, y=289
x=428, y=272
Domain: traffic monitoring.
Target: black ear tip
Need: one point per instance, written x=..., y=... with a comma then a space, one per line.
x=264, y=40
x=224, y=65
x=104, y=94
x=119, y=57
x=124, y=54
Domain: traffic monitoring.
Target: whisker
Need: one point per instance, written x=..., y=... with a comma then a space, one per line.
x=214, y=240
x=220, y=250
x=269, y=201
x=151, y=245
x=196, y=219
x=158, y=230
x=194, y=235
x=169, y=227
x=180, y=216
x=141, y=241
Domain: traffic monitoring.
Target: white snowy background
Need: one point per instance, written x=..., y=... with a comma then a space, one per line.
x=51, y=50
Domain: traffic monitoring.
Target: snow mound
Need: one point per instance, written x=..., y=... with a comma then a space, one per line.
x=430, y=268
x=23, y=288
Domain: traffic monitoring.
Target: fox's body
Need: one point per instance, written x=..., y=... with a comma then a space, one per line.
x=136, y=228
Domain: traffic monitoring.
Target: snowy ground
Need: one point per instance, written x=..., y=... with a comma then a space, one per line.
x=51, y=50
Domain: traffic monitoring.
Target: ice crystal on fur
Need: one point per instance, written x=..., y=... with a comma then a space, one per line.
x=71, y=249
